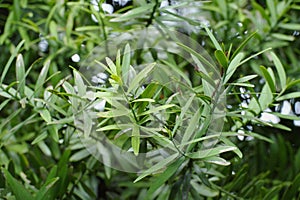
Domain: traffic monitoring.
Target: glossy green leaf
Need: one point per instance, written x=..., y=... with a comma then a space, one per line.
x=268, y=78
x=222, y=59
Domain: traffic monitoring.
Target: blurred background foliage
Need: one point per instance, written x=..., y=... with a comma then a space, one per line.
x=42, y=157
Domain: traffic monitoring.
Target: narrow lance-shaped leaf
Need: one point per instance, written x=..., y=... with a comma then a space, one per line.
x=213, y=39
x=42, y=77
x=135, y=139
x=161, y=164
x=280, y=70
x=126, y=64
x=134, y=13
x=222, y=59
x=140, y=76
x=17, y=188
x=268, y=78
x=20, y=73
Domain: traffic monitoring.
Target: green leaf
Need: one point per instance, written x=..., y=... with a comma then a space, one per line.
x=134, y=13
x=161, y=164
x=135, y=139
x=234, y=64
x=280, y=69
x=213, y=39
x=126, y=64
x=81, y=87
x=291, y=95
x=45, y=192
x=268, y=78
x=217, y=160
x=20, y=73
x=293, y=189
x=156, y=109
x=45, y=114
x=211, y=152
x=193, y=125
x=135, y=83
x=273, y=193
x=243, y=44
x=165, y=176
x=39, y=138
x=284, y=37
x=17, y=188
x=290, y=26
x=222, y=59
x=80, y=155
x=246, y=78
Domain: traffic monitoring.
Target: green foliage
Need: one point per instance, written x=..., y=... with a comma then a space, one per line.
x=154, y=100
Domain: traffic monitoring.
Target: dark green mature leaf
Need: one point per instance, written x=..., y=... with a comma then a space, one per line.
x=161, y=164
x=45, y=193
x=163, y=177
x=268, y=79
x=222, y=59
x=18, y=189
x=293, y=189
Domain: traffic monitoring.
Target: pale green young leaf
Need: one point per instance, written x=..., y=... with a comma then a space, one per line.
x=156, y=109
x=291, y=95
x=201, y=154
x=81, y=87
x=45, y=114
x=193, y=125
x=213, y=39
x=134, y=13
x=246, y=78
x=280, y=69
x=135, y=139
x=184, y=109
x=20, y=74
x=42, y=77
x=234, y=64
x=217, y=160
x=135, y=83
x=126, y=64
